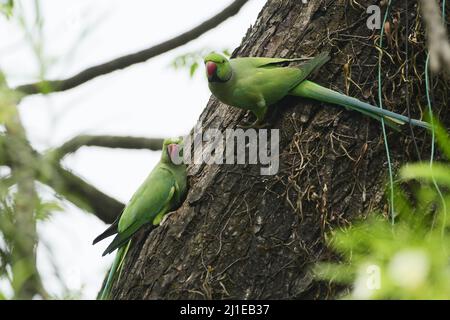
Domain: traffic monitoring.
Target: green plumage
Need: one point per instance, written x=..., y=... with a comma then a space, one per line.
x=254, y=84
x=163, y=191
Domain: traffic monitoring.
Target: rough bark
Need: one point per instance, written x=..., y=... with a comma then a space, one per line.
x=243, y=235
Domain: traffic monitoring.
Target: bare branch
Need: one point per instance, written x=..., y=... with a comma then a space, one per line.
x=70, y=186
x=130, y=59
x=81, y=193
x=126, y=142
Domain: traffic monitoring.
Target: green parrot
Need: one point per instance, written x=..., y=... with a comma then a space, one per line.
x=163, y=191
x=255, y=83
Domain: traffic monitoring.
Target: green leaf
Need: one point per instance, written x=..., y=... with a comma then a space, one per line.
x=193, y=68
x=339, y=273
x=6, y=7
x=45, y=209
x=423, y=171
x=442, y=138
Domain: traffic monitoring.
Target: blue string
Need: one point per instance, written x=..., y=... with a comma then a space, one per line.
x=433, y=138
x=380, y=103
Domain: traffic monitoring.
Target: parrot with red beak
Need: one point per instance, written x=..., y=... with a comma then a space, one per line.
x=255, y=83
x=163, y=191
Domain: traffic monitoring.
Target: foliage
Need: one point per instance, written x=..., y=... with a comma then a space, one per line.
x=192, y=60
x=407, y=260
x=22, y=207
x=6, y=7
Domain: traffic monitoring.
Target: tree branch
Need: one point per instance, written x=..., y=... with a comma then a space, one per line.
x=127, y=142
x=81, y=193
x=64, y=182
x=26, y=281
x=130, y=59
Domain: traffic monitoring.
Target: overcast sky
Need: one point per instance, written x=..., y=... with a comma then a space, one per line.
x=149, y=99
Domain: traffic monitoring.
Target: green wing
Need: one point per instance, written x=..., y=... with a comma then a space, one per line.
x=153, y=199
x=267, y=80
x=260, y=62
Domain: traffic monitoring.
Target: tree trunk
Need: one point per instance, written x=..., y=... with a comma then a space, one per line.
x=242, y=235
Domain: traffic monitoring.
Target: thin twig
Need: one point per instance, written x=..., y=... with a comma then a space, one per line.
x=126, y=142
x=133, y=58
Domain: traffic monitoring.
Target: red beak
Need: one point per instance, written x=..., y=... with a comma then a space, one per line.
x=211, y=68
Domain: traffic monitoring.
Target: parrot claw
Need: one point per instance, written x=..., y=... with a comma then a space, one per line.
x=166, y=216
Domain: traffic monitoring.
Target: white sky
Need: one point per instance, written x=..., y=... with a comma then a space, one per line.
x=149, y=99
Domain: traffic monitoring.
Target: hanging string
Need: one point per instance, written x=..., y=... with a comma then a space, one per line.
x=383, y=126
x=433, y=134
x=408, y=109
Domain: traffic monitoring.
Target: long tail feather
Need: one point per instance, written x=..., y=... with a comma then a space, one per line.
x=116, y=269
x=119, y=241
x=314, y=91
x=112, y=229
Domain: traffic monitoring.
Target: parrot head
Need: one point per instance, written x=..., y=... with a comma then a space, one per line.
x=172, y=151
x=218, y=68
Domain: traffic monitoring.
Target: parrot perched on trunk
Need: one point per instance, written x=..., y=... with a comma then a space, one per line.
x=163, y=191
x=255, y=83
